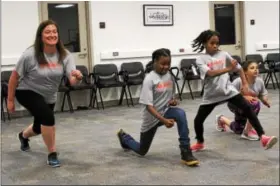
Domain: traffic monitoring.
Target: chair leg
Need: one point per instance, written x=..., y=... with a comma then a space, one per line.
x=2, y=111
x=125, y=93
x=128, y=87
x=179, y=91
x=70, y=102
x=121, y=97
x=101, y=98
x=278, y=86
x=272, y=80
x=63, y=102
x=183, y=86
x=91, y=104
x=190, y=89
x=202, y=91
x=266, y=80
x=9, y=117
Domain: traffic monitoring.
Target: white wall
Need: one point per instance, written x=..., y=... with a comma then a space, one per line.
x=20, y=20
x=125, y=32
x=266, y=28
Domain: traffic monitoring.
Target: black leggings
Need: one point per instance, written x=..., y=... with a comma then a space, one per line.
x=37, y=106
x=238, y=101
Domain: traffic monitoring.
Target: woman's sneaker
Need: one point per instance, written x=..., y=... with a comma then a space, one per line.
x=24, y=143
x=53, y=160
x=220, y=126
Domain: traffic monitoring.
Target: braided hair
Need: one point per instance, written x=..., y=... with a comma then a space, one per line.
x=198, y=43
x=155, y=56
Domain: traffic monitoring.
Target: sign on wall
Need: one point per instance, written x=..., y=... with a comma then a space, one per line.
x=158, y=15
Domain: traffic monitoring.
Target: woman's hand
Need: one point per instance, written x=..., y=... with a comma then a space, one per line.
x=77, y=74
x=11, y=106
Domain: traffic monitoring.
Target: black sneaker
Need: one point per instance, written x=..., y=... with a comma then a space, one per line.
x=188, y=158
x=52, y=160
x=120, y=134
x=24, y=143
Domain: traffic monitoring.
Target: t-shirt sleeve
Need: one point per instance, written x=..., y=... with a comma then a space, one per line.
x=229, y=57
x=203, y=68
x=23, y=65
x=263, y=90
x=69, y=65
x=146, y=96
x=237, y=83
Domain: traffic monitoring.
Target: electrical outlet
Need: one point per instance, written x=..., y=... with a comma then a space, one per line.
x=264, y=45
x=115, y=54
x=181, y=50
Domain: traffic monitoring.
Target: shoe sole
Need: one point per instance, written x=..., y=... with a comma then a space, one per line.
x=27, y=150
x=191, y=163
x=199, y=150
x=125, y=149
x=53, y=166
x=271, y=142
x=250, y=139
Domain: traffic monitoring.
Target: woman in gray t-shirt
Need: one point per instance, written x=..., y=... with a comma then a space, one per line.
x=157, y=97
x=35, y=81
x=258, y=93
x=214, y=66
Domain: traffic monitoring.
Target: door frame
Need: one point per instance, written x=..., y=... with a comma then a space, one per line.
x=242, y=25
x=88, y=30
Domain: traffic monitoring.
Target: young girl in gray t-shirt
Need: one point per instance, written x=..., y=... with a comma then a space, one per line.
x=157, y=97
x=258, y=93
x=214, y=66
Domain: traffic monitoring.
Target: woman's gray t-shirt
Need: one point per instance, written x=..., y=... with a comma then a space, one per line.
x=43, y=79
x=218, y=88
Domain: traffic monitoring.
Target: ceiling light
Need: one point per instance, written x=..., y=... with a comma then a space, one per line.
x=64, y=5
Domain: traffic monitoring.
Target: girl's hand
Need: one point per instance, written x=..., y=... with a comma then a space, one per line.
x=173, y=102
x=251, y=99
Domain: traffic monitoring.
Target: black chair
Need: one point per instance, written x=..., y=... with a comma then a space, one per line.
x=5, y=77
x=176, y=78
x=262, y=67
x=273, y=61
x=86, y=84
x=64, y=88
x=107, y=76
x=132, y=74
x=234, y=75
x=187, y=67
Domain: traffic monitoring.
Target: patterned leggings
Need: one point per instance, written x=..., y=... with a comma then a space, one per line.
x=240, y=120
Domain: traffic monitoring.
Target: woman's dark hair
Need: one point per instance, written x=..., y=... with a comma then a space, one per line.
x=246, y=64
x=159, y=53
x=198, y=43
x=39, y=45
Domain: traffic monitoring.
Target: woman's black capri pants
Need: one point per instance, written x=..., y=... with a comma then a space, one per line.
x=35, y=103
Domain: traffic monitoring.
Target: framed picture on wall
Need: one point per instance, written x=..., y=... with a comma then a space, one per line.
x=158, y=15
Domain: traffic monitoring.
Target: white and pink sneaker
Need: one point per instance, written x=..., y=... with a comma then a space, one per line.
x=220, y=126
x=251, y=135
